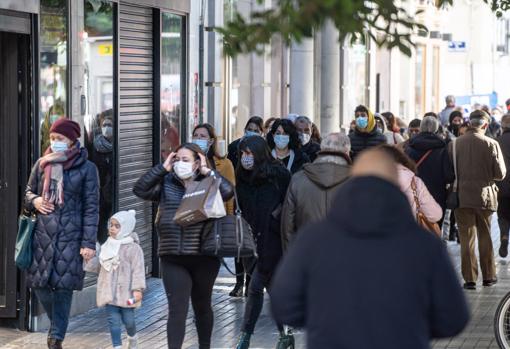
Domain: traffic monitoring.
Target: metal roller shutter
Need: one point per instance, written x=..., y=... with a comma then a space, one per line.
x=136, y=105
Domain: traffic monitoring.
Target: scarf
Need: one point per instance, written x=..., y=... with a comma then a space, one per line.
x=102, y=144
x=109, y=255
x=53, y=165
x=371, y=123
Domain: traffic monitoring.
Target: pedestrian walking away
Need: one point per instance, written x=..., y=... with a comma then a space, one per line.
x=412, y=186
x=121, y=282
x=405, y=294
x=262, y=183
x=504, y=189
x=365, y=133
x=283, y=140
x=444, y=115
x=478, y=197
x=186, y=273
x=434, y=165
x=63, y=190
x=311, y=191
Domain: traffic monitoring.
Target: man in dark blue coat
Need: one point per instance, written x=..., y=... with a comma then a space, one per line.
x=368, y=276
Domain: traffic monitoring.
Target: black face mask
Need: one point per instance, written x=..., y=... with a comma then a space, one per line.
x=454, y=129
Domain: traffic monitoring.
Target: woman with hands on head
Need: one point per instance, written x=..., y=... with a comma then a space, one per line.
x=185, y=271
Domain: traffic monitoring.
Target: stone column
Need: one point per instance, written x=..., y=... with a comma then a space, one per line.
x=301, y=78
x=330, y=79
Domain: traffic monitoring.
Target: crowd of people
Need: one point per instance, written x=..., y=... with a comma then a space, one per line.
x=317, y=207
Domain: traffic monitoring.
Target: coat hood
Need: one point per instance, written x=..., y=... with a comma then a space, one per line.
x=371, y=208
x=426, y=141
x=326, y=174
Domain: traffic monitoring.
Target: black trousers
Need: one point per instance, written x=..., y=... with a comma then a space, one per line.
x=504, y=217
x=186, y=277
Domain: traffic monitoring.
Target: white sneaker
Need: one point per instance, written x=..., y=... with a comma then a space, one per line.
x=133, y=342
x=118, y=347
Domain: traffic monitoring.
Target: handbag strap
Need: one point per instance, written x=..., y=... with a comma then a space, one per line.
x=423, y=158
x=415, y=194
x=455, y=182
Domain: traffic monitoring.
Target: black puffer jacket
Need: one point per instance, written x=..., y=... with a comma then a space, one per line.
x=300, y=159
x=161, y=186
x=361, y=141
x=311, y=149
x=436, y=170
x=59, y=236
x=233, y=152
x=261, y=202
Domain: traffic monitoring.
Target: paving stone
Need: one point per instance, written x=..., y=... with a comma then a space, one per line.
x=90, y=330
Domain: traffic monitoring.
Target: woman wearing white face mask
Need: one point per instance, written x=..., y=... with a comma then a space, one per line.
x=183, y=267
x=286, y=146
x=63, y=191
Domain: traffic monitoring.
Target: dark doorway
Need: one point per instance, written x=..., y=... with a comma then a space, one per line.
x=14, y=145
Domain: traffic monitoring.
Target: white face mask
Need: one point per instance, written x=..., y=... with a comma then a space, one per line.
x=183, y=170
x=304, y=138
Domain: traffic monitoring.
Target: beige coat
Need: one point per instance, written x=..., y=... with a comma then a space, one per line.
x=480, y=164
x=115, y=287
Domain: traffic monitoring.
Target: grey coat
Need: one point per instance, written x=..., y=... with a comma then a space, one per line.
x=115, y=287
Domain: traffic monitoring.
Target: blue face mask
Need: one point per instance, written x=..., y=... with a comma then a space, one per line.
x=362, y=122
x=57, y=146
x=249, y=133
x=281, y=141
x=203, y=144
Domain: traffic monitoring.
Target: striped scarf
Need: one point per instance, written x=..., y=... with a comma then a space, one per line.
x=53, y=165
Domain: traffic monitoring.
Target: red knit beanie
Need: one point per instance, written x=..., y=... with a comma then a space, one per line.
x=66, y=127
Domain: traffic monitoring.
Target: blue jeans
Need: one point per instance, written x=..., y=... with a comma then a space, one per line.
x=117, y=316
x=255, y=302
x=57, y=304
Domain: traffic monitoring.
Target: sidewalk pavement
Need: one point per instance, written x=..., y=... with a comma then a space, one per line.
x=90, y=330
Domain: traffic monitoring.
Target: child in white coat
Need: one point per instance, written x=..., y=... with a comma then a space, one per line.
x=121, y=280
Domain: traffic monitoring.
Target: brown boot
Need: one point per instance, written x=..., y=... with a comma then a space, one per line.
x=54, y=343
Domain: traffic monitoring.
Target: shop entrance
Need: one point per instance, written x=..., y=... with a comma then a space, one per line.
x=14, y=144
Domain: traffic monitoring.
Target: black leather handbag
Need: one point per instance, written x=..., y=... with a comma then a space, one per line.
x=229, y=236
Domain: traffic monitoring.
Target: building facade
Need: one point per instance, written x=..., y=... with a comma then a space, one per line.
x=138, y=75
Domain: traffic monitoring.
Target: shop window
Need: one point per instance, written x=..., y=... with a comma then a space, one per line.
x=98, y=120
x=172, y=86
x=53, y=66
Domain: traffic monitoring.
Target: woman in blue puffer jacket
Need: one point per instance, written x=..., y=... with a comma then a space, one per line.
x=63, y=191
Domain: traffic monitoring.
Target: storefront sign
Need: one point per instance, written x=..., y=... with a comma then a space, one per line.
x=457, y=46
x=105, y=49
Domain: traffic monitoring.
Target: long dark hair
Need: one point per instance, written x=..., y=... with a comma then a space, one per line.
x=213, y=149
x=289, y=129
x=399, y=156
x=257, y=120
x=262, y=156
x=392, y=121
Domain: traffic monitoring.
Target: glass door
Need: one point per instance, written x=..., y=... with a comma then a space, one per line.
x=173, y=83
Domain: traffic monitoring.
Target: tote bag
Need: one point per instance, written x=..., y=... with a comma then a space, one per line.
x=23, y=250
x=201, y=202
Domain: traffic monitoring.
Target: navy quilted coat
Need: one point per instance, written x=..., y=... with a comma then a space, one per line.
x=59, y=236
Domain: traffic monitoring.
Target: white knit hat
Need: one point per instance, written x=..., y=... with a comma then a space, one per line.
x=127, y=223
